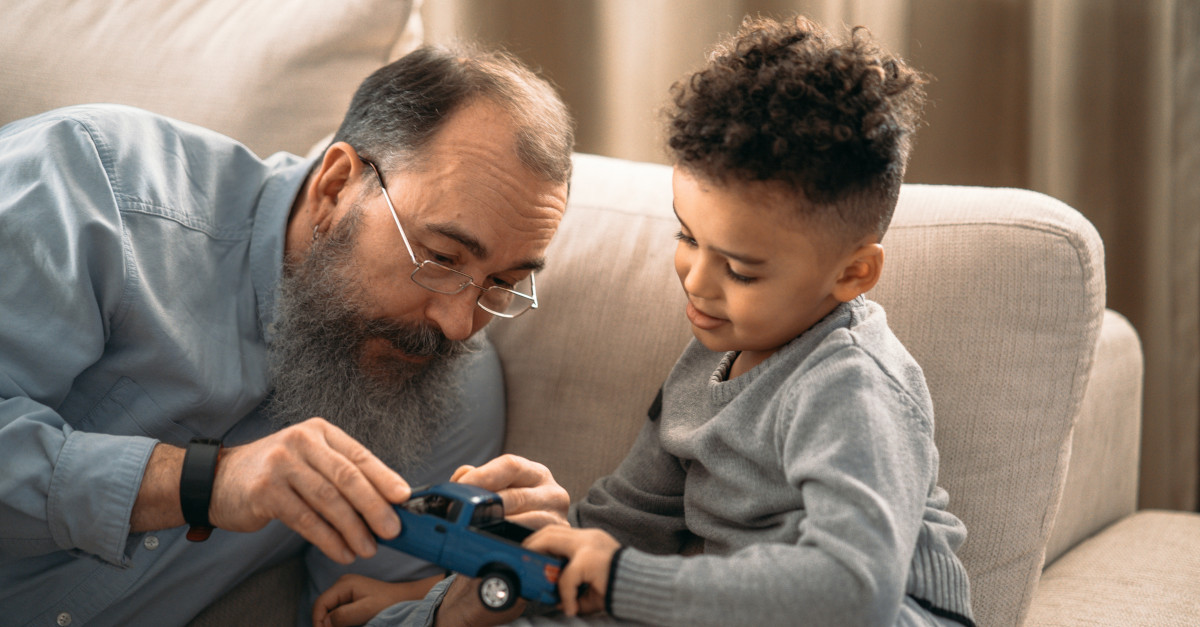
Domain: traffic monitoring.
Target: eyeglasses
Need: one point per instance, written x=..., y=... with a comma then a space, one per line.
x=505, y=302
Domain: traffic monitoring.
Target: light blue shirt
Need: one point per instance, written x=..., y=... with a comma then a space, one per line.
x=139, y=259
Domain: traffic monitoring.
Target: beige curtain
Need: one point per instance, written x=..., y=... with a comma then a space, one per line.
x=1095, y=102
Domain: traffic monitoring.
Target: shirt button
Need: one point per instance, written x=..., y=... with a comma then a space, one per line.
x=151, y=542
x=64, y=619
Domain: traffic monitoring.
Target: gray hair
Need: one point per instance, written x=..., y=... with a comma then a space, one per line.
x=400, y=107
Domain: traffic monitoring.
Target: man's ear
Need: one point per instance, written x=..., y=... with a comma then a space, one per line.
x=330, y=181
x=860, y=272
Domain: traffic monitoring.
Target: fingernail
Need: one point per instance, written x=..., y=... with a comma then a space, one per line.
x=391, y=526
x=347, y=556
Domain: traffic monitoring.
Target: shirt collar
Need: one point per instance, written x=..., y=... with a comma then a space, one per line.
x=286, y=177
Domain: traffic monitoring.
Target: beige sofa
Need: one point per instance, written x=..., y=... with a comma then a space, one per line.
x=999, y=294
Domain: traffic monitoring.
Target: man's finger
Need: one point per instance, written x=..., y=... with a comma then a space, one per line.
x=386, y=481
x=539, y=519
x=460, y=471
x=302, y=519
x=507, y=471
x=353, y=497
x=330, y=504
x=545, y=499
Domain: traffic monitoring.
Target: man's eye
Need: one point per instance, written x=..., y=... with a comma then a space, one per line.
x=507, y=284
x=445, y=260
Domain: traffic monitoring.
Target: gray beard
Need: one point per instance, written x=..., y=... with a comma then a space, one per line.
x=396, y=408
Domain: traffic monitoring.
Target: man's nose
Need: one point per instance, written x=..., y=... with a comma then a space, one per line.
x=454, y=314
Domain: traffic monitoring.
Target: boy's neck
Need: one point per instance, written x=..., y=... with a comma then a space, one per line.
x=745, y=361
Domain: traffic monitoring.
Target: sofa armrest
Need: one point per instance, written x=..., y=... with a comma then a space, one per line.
x=1101, y=484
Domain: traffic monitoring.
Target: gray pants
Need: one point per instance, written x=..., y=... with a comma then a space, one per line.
x=911, y=615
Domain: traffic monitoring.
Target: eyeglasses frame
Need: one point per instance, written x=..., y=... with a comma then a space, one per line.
x=470, y=280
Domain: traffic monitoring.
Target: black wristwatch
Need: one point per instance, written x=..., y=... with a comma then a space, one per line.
x=196, y=485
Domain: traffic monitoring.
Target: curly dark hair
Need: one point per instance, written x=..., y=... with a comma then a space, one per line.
x=786, y=102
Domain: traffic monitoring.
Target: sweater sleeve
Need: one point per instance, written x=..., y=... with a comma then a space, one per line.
x=859, y=451
x=641, y=503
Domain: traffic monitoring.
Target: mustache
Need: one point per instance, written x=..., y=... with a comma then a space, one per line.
x=418, y=340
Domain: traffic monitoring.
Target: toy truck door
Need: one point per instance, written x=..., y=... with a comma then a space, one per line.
x=438, y=517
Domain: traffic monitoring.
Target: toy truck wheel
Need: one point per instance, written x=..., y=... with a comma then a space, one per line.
x=498, y=589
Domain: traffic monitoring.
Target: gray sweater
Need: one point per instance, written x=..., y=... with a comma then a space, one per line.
x=809, y=484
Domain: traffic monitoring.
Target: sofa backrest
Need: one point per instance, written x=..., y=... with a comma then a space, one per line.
x=274, y=74
x=998, y=293
x=582, y=370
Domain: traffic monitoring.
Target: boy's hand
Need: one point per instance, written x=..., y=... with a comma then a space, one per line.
x=531, y=495
x=589, y=554
x=354, y=599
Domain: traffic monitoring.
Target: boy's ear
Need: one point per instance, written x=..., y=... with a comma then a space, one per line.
x=860, y=272
x=329, y=181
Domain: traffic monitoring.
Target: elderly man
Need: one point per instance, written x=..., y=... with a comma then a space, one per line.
x=194, y=338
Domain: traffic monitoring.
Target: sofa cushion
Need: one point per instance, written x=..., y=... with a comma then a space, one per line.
x=275, y=74
x=1142, y=570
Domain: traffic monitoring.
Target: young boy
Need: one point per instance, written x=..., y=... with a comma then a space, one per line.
x=792, y=444
x=793, y=441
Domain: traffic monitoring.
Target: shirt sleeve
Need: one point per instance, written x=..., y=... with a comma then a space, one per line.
x=641, y=503
x=414, y=613
x=860, y=453
x=61, y=248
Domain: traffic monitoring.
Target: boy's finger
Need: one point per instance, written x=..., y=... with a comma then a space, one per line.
x=545, y=540
x=568, y=588
x=356, y=613
x=331, y=599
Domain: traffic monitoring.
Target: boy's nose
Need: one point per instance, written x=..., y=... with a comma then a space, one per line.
x=696, y=277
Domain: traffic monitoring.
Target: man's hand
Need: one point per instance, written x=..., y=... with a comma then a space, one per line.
x=315, y=479
x=589, y=554
x=531, y=495
x=355, y=600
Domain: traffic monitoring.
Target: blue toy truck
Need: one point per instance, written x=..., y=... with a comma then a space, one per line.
x=462, y=528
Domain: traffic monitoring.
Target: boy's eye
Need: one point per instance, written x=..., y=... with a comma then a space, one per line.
x=686, y=239
x=740, y=278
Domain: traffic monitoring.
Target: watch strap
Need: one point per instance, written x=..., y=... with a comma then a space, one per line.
x=196, y=485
